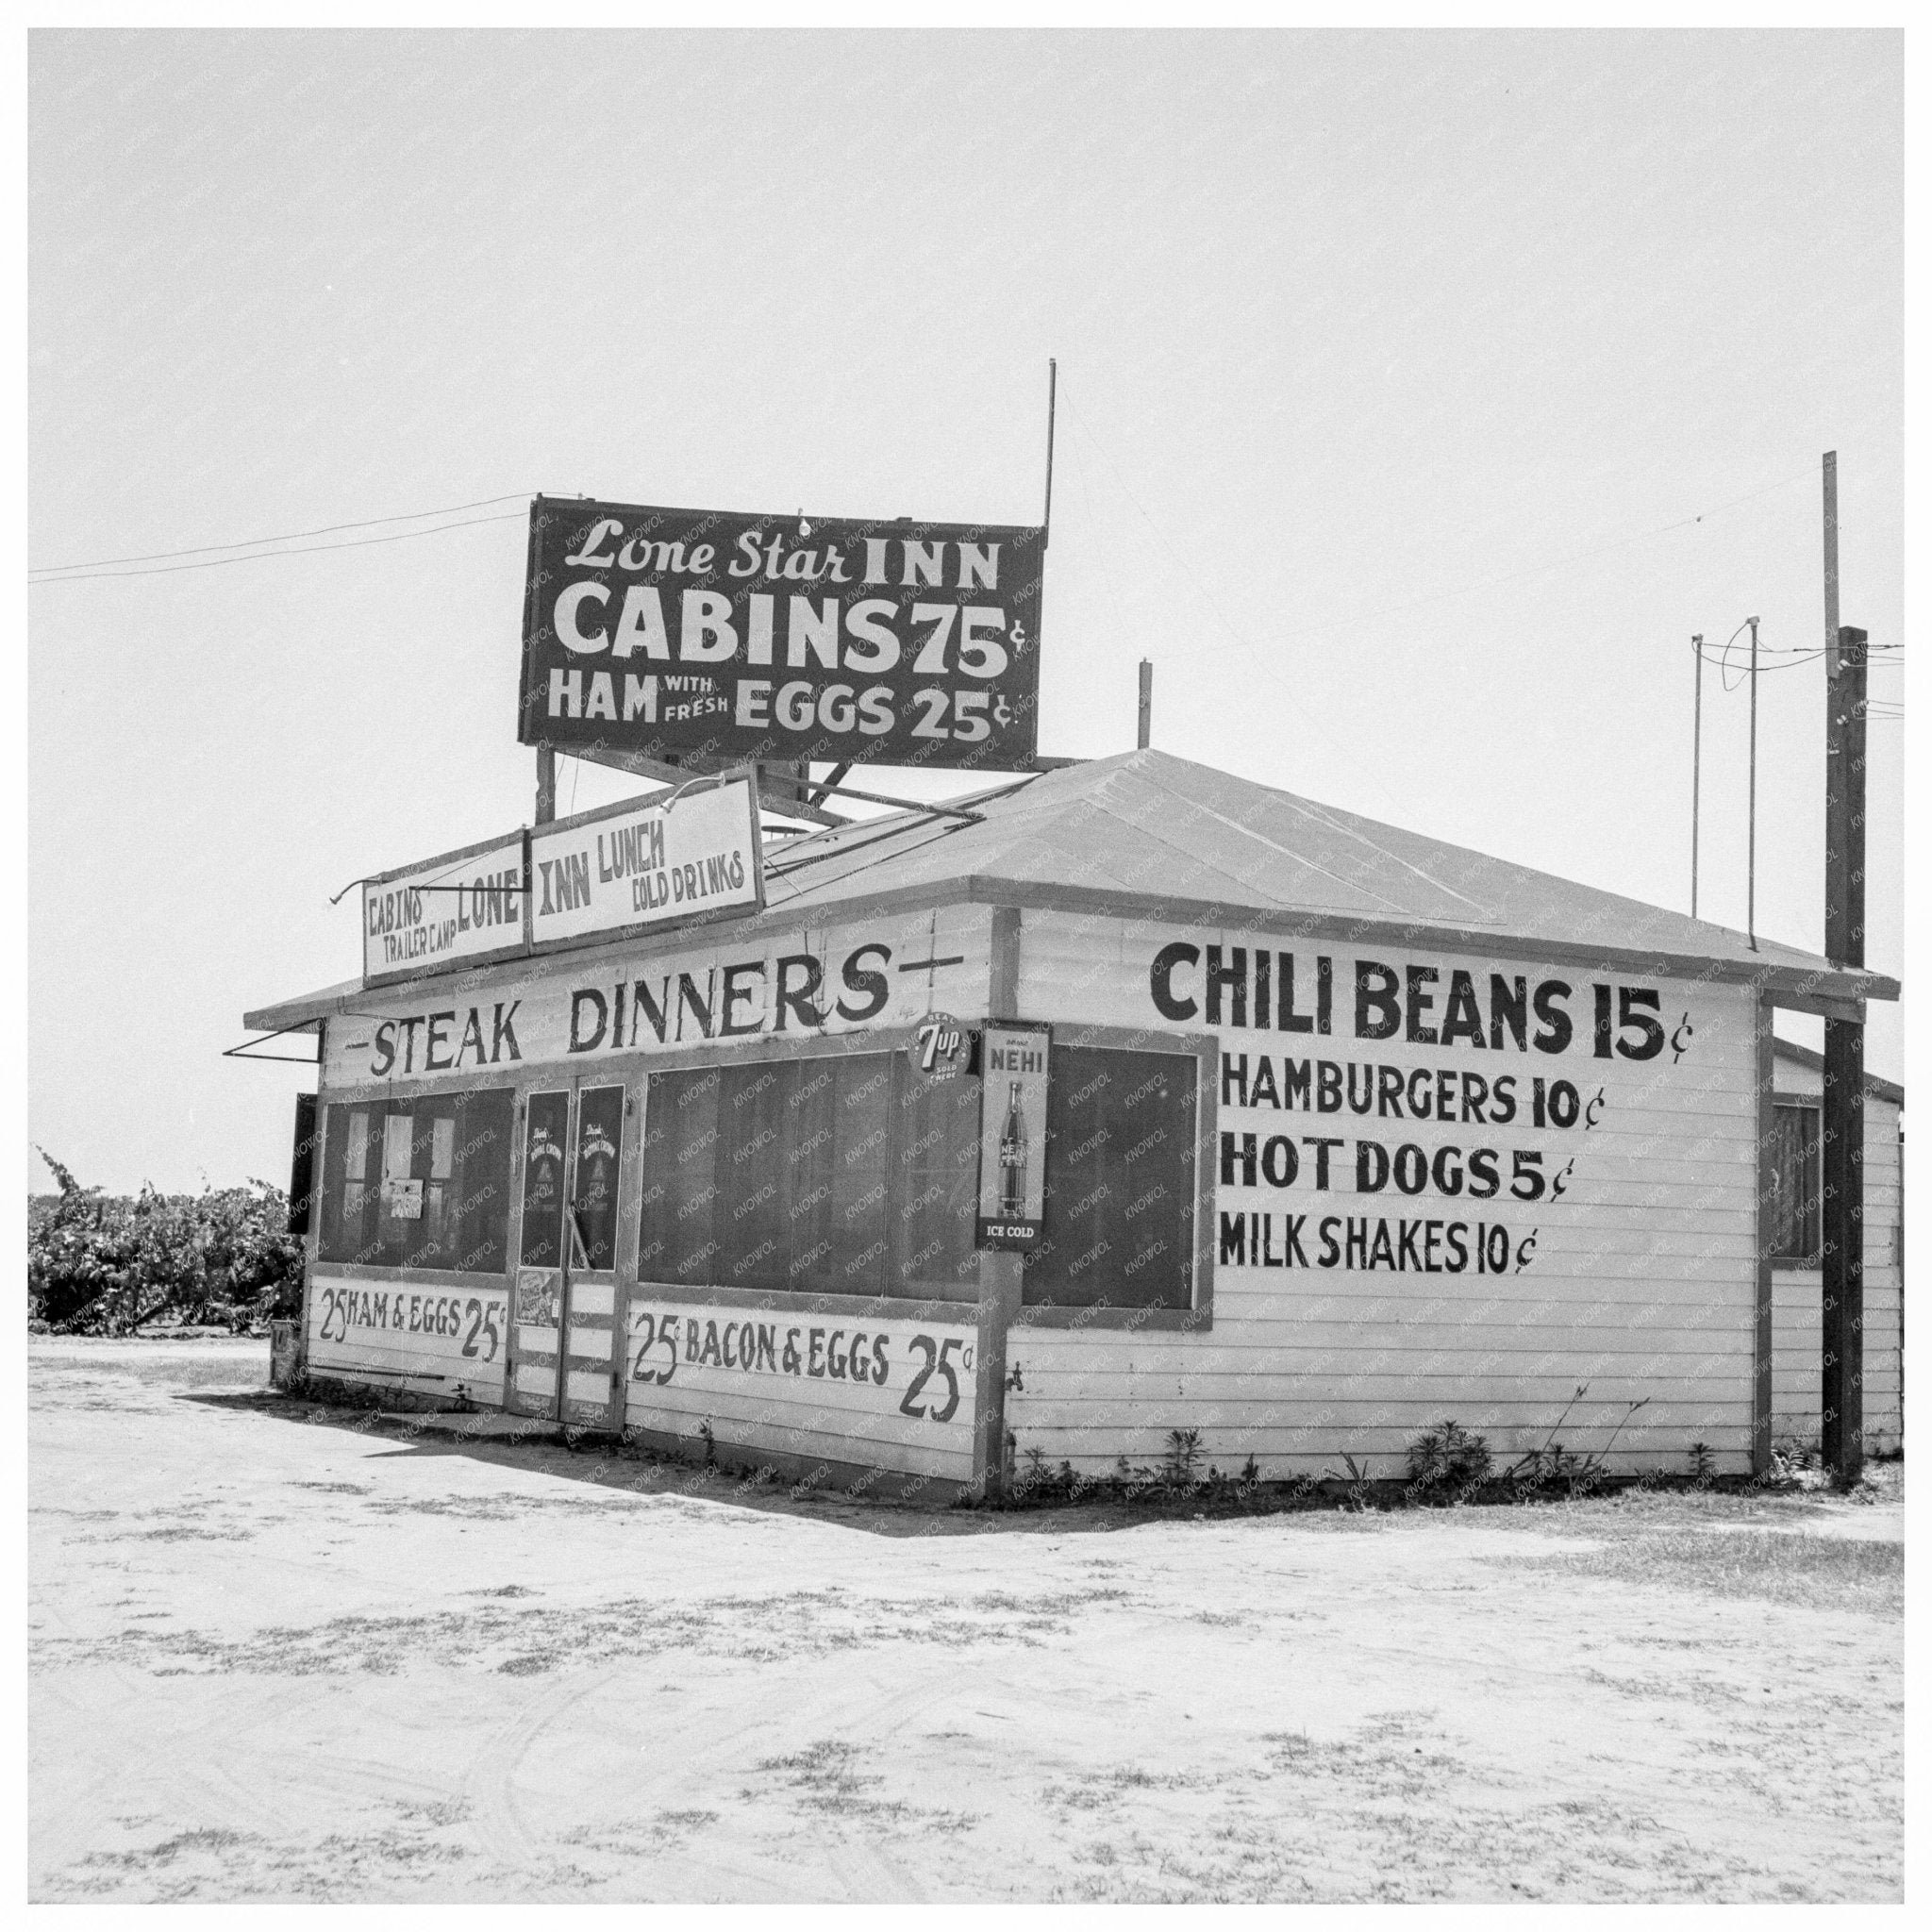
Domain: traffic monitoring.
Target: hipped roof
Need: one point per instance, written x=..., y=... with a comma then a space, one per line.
x=1149, y=836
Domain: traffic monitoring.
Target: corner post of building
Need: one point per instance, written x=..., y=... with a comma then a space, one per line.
x=311, y=1208
x=1763, y=1335
x=1000, y=1274
x=1842, y=1218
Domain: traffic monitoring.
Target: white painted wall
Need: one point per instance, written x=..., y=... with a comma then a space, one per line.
x=1641, y=1286
x=849, y=1389
x=435, y=1337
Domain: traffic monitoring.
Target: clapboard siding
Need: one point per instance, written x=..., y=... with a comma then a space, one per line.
x=1459, y=1376
x=1269, y=1346
x=1303, y=1289
x=805, y=1409
x=408, y=1333
x=1642, y=1284
x=1315, y=1447
x=802, y=1428
x=1265, y=1366
x=1797, y=1296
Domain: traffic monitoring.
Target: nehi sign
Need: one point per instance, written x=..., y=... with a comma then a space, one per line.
x=739, y=638
x=1012, y=1135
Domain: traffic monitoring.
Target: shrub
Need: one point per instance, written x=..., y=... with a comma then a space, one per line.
x=1446, y=1459
x=1180, y=1466
x=105, y=1265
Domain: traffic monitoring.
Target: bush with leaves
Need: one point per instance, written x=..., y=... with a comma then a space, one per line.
x=1447, y=1461
x=102, y=1264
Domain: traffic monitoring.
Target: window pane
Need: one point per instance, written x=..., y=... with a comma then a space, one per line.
x=481, y=1182
x=1796, y=1183
x=441, y=1197
x=549, y=1124
x=600, y=1137
x=359, y=1192
x=1118, y=1227
x=754, y=1233
x=679, y=1166
x=935, y=1151
x=804, y=1170
x=346, y=1195
x=860, y=1256
x=825, y=1176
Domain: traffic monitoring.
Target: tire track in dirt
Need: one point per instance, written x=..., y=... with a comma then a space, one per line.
x=864, y=1869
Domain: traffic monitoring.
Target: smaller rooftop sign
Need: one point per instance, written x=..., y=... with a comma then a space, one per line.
x=626, y=869
x=646, y=864
x=449, y=911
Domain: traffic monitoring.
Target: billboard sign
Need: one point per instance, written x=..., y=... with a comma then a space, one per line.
x=642, y=866
x=464, y=906
x=1013, y=1136
x=733, y=638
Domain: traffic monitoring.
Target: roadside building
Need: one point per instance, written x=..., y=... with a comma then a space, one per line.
x=1134, y=1097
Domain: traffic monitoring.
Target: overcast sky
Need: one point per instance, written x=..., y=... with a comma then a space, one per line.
x=1421, y=395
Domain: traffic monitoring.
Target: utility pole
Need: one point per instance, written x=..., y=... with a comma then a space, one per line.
x=1843, y=1206
x=1146, y=737
x=1053, y=377
x=1842, y=1217
x=1696, y=758
x=1751, y=836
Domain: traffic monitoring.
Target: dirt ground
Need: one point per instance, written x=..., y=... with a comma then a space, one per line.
x=275, y=1655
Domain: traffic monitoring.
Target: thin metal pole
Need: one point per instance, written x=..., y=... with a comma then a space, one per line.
x=1751, y=853
x=1696, y=760
x=1836, y=872
x=1146, y=703
x=1052, y=385
x=1830, y=563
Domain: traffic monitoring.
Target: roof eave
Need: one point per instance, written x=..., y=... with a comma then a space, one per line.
x=1811, y=986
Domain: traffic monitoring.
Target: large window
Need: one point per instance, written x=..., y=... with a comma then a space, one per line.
x=845, y=1174
x=1119, y=1229
x=1796, y=1182
x=421, y=1182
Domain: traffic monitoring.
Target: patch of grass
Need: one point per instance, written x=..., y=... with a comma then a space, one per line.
x=1100, y=1790
x=169, y=1849
x=822, y=1776
x=1787, y=1566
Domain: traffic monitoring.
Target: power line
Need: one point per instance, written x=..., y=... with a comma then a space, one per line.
x=265, y=555
x=286, y=537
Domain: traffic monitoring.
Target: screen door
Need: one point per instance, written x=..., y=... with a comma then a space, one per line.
x=566, y=1365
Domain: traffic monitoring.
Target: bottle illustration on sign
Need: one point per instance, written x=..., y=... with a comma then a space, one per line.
x=546, y=1167
x=595, y=1158
x=1013, y=1157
